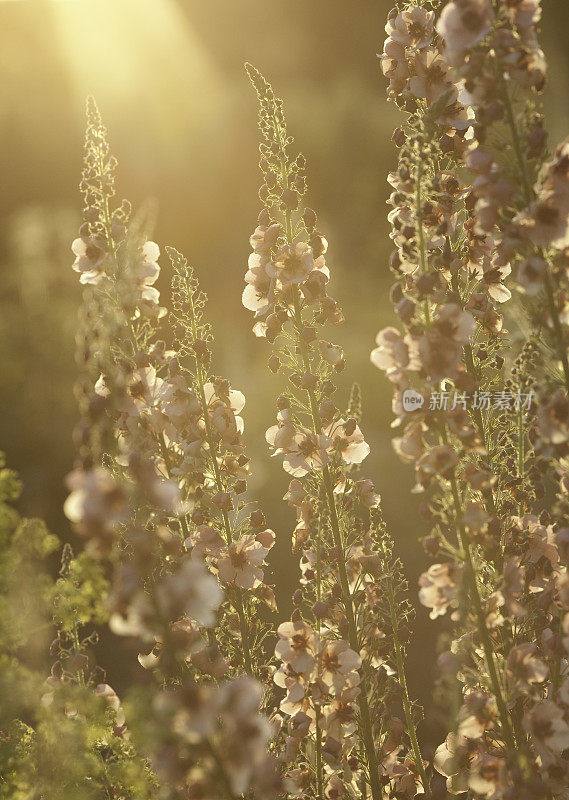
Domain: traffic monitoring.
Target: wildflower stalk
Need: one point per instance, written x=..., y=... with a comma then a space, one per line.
x=201, y=380
x=482, y=627
x=464, y=545
x=420, y=230
x=353, y=638
x=529, y=196
x=402, y=678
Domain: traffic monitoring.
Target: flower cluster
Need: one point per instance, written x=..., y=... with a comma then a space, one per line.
x=501, y=576
x=165, y=504
x=337, y=667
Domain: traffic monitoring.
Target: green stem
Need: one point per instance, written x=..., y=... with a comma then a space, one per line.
x=407, y=707
x=421, y=232
x=481, y=617
x=238, y=603
x=529, y=196
x=365, y=716
x=557, y=327
x=221, y=771
x=319, y=765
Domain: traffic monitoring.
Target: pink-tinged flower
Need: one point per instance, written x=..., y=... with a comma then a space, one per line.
x=298, y=781
x=367, y=495
x=296, y=493
x=438, y=588
x=484, y=312
x=541, y=540
x=295, y=685
x=265, y=239
x=452, y=759
x=476, y=715
x=292, y=263
x=302, y=449
x=489, y=776
x=439, y=460
x=462, y=24
x=524, y=669
x=431, y=78
x=553, y=419
x=111, y=698
x=90, y=255
x=546, y=221
x=191, y=592
x=338, y=666
x=257, y=295
x=548, y=729
x=492, y=276
x=148, y=271
x=348, y=440
x=332, y=353
x=409, y=447
x=95, y=500
x=413, y=28
x=241, y=564
x=224, y=405
x=297, y=646
x=452, y=323
x=205, y=542
x=531, y=274
x=145, y=391
x=394, y=353
x=394, y=66
x=440, y=349
x=243, y=738
x=232, y=398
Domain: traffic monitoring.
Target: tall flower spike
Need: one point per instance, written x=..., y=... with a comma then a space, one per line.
x=465, y=425
x=330, y=649
x=174, y=469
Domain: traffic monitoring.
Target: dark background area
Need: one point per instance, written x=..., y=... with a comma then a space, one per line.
x=169, y=79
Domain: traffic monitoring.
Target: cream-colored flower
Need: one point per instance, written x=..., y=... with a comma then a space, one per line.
x=241, y=564
x=292, y=263
x=90, y=255
x=438, y=588
x=348, y=440
x=191, y=591
x=95, y=499
x=302, y=449
x=462, y=24
x=297, y=646
x=338, y=666
x=524, y=669
x=413, y=27
x=394, y=353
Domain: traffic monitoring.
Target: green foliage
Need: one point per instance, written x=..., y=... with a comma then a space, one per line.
x=80, y=593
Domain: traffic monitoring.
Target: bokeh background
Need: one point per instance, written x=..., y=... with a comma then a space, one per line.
x=169, y=79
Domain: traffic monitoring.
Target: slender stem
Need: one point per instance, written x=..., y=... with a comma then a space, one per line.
x=529, y=195
x=488, y=494
x=238, y=601
x=166, y=458
x=481, y=617
x=221, y=771
x=557, y=327
x=517, y=145
x=407, y=707
x=421, y=232
x=319, y=764
x=243, y=625
x=365, y=716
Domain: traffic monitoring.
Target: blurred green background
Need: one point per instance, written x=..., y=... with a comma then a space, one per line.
x=168, y=77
